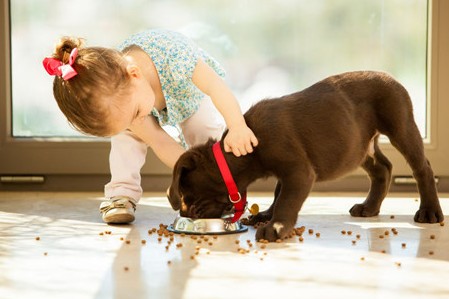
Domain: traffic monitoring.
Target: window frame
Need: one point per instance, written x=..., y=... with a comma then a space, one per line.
x=77, y=157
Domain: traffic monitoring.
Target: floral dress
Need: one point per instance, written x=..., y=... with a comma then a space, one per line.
x=175, y=58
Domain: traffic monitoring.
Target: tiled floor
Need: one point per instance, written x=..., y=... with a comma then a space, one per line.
x=54, y=245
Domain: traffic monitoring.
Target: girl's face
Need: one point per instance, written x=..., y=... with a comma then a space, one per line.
x=133, y=107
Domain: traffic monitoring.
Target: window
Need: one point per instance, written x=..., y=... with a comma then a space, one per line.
x=268, y=49
x=265, y=53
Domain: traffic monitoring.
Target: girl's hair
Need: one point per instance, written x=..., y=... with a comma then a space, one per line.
x=86, y=98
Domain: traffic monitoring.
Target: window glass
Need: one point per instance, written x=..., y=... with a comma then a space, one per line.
x=268, y=48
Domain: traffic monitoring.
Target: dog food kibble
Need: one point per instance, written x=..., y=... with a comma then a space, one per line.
x=310, y=231
x=101, y=234
x=441, y=223
x=392, y=217
x=237, y=242
x=431, y=252
x=126, y=268
x=45, y=253
x=244, y=221
x=300, y=230
x=432, y=237
x=362, y=258
x=38, y=238
x=144, y=242
x=403, y=245
x=317, y=235
x=128, y=242
x=358, y=236
x=343, y=232
x=301, y=239
x=241, y=250
x=354, y=242
x=169, y=263
x=349, y=232
x=381, y=236
x=386, y=233
x=398, y=264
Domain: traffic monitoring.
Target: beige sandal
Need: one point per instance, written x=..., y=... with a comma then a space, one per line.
x=118, y=210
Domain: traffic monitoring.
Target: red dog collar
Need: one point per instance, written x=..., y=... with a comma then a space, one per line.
x=238, y=200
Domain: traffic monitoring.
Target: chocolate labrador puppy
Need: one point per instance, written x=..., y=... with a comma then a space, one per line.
x=317, y=134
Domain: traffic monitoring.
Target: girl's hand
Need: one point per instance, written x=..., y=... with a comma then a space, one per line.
x=240, y=140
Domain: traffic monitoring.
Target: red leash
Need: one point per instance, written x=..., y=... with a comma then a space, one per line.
x=238, y=200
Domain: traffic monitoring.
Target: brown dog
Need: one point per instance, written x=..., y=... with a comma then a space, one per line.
x=318, y=134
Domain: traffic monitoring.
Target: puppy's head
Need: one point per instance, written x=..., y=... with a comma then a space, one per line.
x=197, y=189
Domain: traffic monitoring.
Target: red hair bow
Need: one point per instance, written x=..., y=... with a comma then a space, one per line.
x=55, y=67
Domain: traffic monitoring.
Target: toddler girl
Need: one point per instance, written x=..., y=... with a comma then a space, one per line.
x=156, y=78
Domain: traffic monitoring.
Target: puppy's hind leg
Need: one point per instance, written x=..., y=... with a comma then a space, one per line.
x=410, y=144
x=379, y=169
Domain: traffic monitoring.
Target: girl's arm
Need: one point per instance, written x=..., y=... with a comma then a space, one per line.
x=163, y=145
x=240, y=139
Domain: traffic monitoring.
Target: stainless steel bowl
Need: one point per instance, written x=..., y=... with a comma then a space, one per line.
x=206, y=226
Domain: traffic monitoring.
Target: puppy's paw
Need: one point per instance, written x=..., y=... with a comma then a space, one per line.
x=273, y=230
x=259, y=217
x=362, y=210
x=427, y=215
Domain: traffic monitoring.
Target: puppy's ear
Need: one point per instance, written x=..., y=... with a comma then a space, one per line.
x=186, y=163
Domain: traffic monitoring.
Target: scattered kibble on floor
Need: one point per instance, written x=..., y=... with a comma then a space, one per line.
x=258, y=249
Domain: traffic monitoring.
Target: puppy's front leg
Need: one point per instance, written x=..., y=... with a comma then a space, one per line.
x=266, y=215
x=293, y=193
